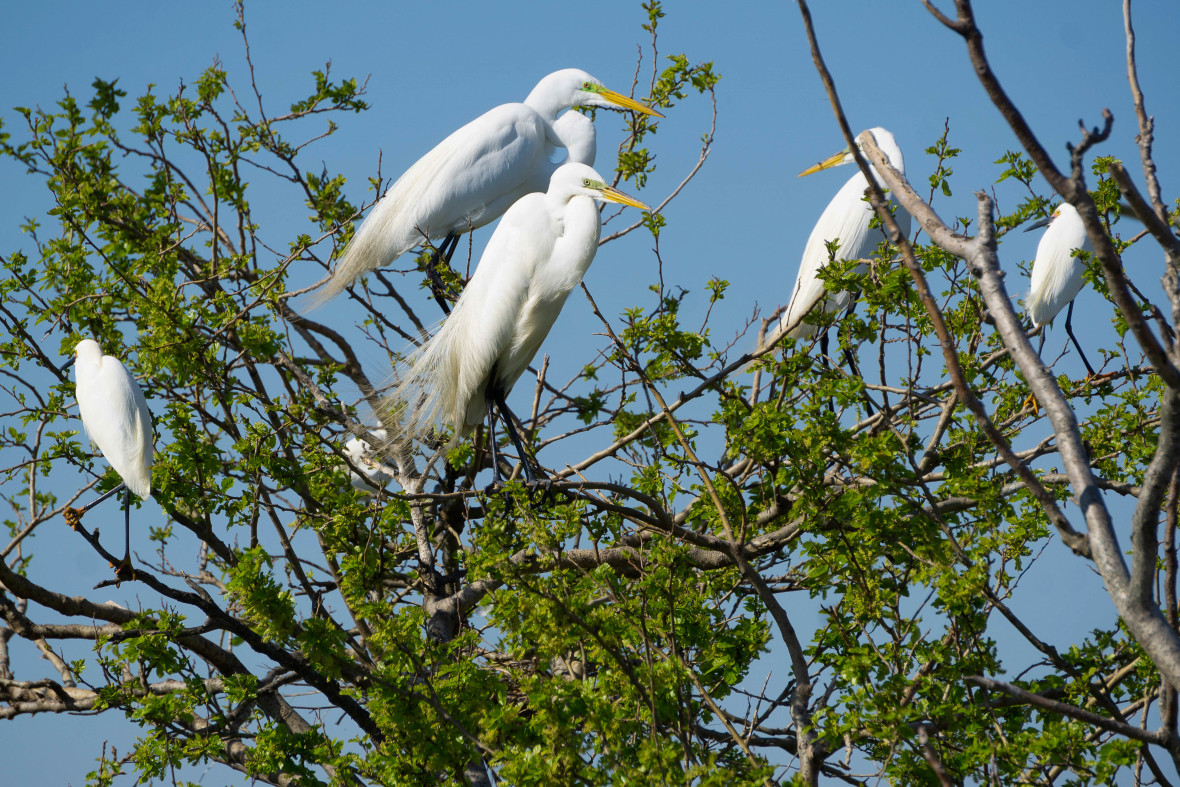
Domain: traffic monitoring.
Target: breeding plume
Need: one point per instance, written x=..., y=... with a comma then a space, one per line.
x=474, y=175
x=1057, y=273
x=845, y=219
x=537, y=255
x=116, y=417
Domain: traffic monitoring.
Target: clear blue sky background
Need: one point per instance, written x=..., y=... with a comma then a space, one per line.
x=434, y=66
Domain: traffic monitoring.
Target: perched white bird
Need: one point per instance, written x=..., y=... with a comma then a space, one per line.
x=116, y=417
x=361, y=454
x=537, y=255
x=474, y=175
x=1057, y=273
x=846, y=219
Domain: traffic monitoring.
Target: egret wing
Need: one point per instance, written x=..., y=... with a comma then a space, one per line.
x=448, y=376
x=846, y=218
x=1057, y=273
x=116, y=416
x=468, y=180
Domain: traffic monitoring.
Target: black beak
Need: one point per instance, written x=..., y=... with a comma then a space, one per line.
x=1038, y=225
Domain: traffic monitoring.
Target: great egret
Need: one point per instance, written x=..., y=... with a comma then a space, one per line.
x=846, y=219
x=1056, y=273
x=474, y=175
x=360, y=453
x=116, y=417
x=537, y=255
x=576, y=131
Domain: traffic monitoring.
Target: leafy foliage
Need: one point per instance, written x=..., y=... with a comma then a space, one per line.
x=834, y=580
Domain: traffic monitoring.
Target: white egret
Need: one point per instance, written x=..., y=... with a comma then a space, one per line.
x=845, y=219
x=537, y=255
x=116, y=417
x=581, y=144
x=360, y=453
x=474, y=175
x=1057, y=273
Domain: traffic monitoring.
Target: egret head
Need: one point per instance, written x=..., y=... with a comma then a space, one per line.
x=86, y=351
x=580, y=180
x=885, y=141
x=1061, y=210
x=573, y=87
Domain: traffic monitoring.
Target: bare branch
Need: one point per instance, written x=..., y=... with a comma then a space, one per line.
x=1145, y=136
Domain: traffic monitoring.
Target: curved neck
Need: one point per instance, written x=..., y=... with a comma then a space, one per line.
x=547, y=98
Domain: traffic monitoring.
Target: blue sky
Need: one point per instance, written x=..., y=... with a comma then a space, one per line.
x=434, y=66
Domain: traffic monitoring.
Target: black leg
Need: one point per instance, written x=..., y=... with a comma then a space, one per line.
x=509, y=420
x=439, y=258
x=453, y=240
x=73, y=516
x=101, y=498
x=823, y=354
x=849, y=356
x=496, y=477
x=849, y=359
x=1031, y=399
x=1069, y=330
x=127, y=527
x=853, y=367
x=123, y=569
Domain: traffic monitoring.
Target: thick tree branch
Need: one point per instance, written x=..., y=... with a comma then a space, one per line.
x=1072, y=188
x=1145, y=619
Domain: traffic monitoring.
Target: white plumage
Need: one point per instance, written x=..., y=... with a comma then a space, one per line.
x=537, y=255
x=1057, y=273
x=473, y=176
x=846, y=218
x=115, y=415
x=362, y=456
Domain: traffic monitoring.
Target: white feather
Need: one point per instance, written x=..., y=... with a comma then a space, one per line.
x=474, y=175
x=537, y=255
x=1057, y=273
x=361, y=454
x=115, y=415
x=846, y=219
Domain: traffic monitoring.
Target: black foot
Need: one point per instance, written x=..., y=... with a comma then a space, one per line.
x=546, y=487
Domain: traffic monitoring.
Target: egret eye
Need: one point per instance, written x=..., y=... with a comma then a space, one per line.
x=589, y=86
x=586, y=182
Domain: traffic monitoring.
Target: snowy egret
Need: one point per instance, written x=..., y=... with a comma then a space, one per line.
x=116, y=417
x=361, y=454
x=474, y=175
x=1056, y=273
x=845, y=219
x=537, y=255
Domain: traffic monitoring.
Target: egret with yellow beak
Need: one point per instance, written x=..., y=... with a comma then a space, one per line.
x=474, y=175
x=537, y=255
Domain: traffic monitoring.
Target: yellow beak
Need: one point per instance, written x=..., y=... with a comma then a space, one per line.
x=614, y=195
x=826, y=163
x=626, y=102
